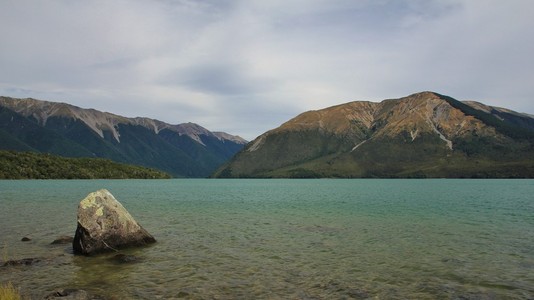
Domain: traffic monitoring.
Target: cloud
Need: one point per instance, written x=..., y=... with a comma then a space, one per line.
x=217, y=79
x=479, y=52
x=247, y=66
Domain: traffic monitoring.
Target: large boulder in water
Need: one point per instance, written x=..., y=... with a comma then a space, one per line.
x=105, y=225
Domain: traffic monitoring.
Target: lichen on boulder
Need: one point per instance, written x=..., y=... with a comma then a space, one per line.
x=104, y=225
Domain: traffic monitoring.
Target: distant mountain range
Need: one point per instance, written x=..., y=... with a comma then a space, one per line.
x=184, y=150
x=422, y=135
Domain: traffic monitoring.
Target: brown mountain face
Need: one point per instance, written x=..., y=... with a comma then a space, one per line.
x=422, y=135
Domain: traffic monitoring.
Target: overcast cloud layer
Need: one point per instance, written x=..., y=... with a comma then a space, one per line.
x=245, y=67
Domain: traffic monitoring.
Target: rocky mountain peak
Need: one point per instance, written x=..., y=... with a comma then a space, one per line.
x=192, y=130
x=184, y=150
x=425, y=112
x=228, y=137
x=41, y=111
x=99, y=121
x=389, y=138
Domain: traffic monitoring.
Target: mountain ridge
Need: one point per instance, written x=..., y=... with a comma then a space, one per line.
x=183, y=150
x=424, y=135
x=98, y=121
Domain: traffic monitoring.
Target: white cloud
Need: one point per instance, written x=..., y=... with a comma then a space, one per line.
x=247, y=66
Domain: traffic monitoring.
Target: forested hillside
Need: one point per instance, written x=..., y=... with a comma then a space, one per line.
x=29, y=165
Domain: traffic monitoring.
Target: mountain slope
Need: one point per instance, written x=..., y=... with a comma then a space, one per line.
x=184, y=150
x=422, y=135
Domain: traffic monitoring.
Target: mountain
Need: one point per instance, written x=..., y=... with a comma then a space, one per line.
x=422, y=135
x=184, y=150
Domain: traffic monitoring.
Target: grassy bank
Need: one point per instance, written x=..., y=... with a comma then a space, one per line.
x=9, y=292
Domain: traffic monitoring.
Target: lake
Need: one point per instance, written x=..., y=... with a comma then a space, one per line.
x=283, y=239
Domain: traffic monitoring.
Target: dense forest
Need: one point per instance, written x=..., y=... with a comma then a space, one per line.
x=30, y=165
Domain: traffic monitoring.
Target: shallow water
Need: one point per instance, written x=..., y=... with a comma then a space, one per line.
x=280, y=239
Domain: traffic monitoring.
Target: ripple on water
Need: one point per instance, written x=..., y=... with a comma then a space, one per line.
x=263, y=239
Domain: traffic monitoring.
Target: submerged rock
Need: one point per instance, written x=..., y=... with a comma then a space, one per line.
x=21, y=262
x=63, y=240
x=72, y=294
x=25, y=239
x=125, y=259
x=105, y=225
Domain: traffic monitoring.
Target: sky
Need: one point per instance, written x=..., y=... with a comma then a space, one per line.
x=245, y=67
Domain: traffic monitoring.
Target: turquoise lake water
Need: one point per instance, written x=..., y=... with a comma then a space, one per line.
x=283, y=239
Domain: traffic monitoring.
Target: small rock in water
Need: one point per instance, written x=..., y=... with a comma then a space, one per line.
x=72, y=294
x=21, y=262
x=125, y=259
x=63, y=240
x=26, y=239
x=104, y=225
x=182, y=294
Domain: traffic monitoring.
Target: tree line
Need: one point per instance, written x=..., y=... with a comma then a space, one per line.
x=31, y=165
